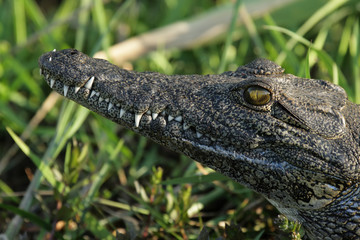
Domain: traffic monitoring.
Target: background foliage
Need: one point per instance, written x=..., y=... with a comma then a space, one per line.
x=97, y=179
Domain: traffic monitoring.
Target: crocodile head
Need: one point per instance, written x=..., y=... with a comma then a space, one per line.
x=291, y=139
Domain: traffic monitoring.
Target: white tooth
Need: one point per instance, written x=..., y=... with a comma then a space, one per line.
x=93, y=93
x=89, y=83
x=106, y=99
x=137, y=119
x=170, y=118
x=110, y=106
x=118, y=104
x=198, y=135
x=100, y=99
x=50, y=59
x=97, y=94
x=52, y=82
x=122, y=112
x=148, y=112
x=77, y=89
x=178, y=118
x=154, y=115
x=40, y=71
x=54, y=50
x=213, y=139
x=66, y=88
x=185, y=126
x=47, y=76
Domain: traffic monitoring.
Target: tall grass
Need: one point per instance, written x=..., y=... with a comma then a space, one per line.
x=72, y=174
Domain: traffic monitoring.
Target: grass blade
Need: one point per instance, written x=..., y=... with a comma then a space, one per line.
x=19, y=21
x=42, y=165
x=29, y=216
x=229, y=35
x=328, y=8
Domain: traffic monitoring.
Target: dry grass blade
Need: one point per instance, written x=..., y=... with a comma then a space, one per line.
x=184, y=34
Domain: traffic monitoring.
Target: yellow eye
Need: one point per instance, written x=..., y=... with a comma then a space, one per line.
x=257, y=96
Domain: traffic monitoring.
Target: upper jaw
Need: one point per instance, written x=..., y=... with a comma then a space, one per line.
x=86, y=91
x=70, y=70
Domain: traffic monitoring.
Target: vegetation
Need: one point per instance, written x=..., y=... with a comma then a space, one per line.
x=72, y=174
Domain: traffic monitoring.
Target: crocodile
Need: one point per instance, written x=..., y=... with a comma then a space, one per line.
x=293, y=140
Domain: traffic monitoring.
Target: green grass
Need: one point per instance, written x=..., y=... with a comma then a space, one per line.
x=73, y=174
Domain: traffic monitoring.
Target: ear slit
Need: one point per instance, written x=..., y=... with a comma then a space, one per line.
x=320, y=117
x=282, y=113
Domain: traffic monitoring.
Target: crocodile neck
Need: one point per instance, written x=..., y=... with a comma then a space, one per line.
x=331, y=220
x=294, y=140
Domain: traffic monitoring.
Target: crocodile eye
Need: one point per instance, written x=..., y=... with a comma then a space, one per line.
x=257, y=96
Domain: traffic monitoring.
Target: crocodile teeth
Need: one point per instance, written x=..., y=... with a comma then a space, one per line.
x=66, y=89
x=198, y=135
x=54, y=50
x=47, y=76
x=178, y=118
x=52, y=82
x=110, y=106
x=185, y=126
x=170, y=118
x=122, y=112
x=50, y=59
x=100, y=99
x=93, y=93
x=77, y=89
x=89, y=83
x=40, y=71
x=154, y=115
x=148, y=112
x=137, y=119
x=107, y=99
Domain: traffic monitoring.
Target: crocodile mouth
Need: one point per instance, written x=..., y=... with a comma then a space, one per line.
x=162, y=123
x=174, y=126
x=171, y=128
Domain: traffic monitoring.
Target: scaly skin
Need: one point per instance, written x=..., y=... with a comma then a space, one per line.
x=294, y=140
